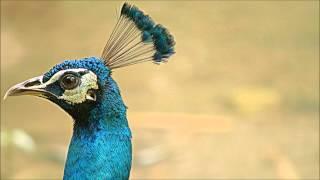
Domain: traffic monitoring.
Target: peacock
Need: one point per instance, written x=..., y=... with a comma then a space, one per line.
x=100, y=147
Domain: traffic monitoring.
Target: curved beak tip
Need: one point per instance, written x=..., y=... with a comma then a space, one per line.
x=30, y=86
x=9, y=92
x=14, y=90
x=5, y=95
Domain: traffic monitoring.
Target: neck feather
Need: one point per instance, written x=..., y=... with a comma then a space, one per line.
x=101, y=144
x=109, y=114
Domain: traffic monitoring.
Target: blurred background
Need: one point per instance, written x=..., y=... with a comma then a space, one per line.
x=239, y=99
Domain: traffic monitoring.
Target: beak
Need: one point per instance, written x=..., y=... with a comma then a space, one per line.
x=33, y=86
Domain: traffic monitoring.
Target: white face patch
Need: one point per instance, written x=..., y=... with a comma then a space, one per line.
x=78, y=94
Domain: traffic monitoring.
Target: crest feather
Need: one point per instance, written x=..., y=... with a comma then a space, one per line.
x=136, y=38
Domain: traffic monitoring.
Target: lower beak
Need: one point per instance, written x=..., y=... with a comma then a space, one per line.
x=33, y=86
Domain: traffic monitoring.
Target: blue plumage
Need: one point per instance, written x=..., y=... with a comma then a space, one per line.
x=145, y=40
x=100, y=147
x=146, y=37
x=161, y=38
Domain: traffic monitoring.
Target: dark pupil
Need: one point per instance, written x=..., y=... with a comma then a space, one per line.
x=69, y=81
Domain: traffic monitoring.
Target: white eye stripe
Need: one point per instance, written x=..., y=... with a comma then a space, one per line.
x=57, y=75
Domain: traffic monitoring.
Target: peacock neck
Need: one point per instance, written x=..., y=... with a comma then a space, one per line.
x=109, y=114
x=101, y=144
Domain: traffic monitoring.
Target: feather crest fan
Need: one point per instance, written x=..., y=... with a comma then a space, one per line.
x=136, y=38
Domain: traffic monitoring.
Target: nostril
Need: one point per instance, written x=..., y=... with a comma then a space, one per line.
x=32, y=83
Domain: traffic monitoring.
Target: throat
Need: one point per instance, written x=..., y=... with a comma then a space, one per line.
x=100, y=148
x=106, y=126
x=110, y=120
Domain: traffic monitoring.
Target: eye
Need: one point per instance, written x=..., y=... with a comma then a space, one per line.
x=69, y=81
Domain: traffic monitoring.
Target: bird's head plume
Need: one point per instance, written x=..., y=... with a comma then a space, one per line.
x=136, y=38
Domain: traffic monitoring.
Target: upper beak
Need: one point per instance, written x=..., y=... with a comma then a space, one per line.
x=33, y=86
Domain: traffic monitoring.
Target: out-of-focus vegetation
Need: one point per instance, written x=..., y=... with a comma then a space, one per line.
x=238, y=100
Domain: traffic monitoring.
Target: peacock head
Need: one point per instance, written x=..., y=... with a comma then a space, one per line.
x=79, y=86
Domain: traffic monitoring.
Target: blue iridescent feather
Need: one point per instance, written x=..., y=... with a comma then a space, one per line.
x=154, y=42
